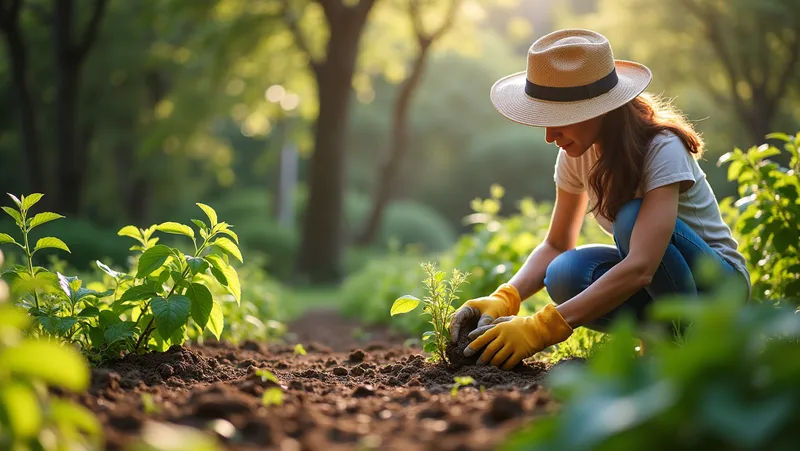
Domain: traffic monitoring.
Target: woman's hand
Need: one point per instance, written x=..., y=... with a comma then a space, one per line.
x=509, y=340
x=503, y=302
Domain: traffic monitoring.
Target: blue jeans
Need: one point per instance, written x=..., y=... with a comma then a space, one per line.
x=573, y=271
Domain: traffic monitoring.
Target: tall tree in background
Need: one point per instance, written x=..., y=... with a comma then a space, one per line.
x=758, y=47
x=398, y=140
x=10, y=16
x=322, y=237
x=72, y=135
x=742, y=54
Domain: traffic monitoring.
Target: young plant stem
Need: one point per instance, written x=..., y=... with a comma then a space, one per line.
x=30, y=257
x=150, y=324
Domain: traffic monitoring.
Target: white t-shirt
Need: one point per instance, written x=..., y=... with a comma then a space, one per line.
x=667, y=161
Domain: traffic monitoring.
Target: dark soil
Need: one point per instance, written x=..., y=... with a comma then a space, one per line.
x=379, y=395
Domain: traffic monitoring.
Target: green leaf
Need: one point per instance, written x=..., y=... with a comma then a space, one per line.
x=50, y=242
x=272, y=396
x=14, y=214
x=299, y=349
x=404, y=304
x=427, y=335
x=780, y=136
x=266, y=375
x=97, y=337
x=231, y=234
x=4, y=238
x=30, y=200
x=85, y=292
x=50, y=323
x=212, y=215
x=179, y=336
x=226, y=272
x=89, y=312
x=73, y=416
x=132, y=232
x=140, y=292
x=202, y=225
x=785, y=237
x=22, y=410
x=109, y=271
x=43, y=218
x=152, y=259
x=119, y=331
x=228, y=246
x=15, y=199
x=430, y=347
x=170, y=313
x=196, y=264
x=176, y=228
x=48, y=361
x=216, y=321
x=202, y=304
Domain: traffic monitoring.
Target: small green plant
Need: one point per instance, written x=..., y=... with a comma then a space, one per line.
x=767, y=216
x=273, y=396
x=31, y=417
x=168, y=292
x=438, y=304
x=299, y=349
x=61, y=306
x=461, y=381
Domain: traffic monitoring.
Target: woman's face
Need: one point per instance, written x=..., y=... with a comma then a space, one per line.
x=575, y=139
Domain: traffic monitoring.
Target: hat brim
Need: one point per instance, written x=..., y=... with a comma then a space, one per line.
x=509, y=99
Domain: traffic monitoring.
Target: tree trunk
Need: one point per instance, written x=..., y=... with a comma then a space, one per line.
x=321, y=246
x=72, y=150
x=398, y=148
x=28, y=133
x=71, y=159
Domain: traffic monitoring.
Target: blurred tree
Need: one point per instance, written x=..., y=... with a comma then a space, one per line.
x=398, y=142
x=10, y=19
x=743, y=54
x=322, y=238
x=73, y=135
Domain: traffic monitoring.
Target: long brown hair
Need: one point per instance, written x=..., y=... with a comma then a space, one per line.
x=624, y=137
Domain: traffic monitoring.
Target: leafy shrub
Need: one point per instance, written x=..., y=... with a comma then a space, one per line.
x=368, y=293
x=730, y=383
x=149, y=309
x=407, y=222
x=767, y=223
x=30, y=417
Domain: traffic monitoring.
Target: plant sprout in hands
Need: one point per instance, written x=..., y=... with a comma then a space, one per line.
x=438, y=304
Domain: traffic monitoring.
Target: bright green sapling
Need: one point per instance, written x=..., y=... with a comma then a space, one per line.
x=438, y=305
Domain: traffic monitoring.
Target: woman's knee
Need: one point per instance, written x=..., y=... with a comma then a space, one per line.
x=624, y=222
x=564, y=277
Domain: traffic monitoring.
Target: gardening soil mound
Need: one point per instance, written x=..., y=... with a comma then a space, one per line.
x=380, y=395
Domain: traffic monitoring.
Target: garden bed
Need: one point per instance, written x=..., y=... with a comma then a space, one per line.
x=342, y=394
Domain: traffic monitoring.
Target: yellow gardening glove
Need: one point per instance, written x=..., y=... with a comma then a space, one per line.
x=503, y=302
x=509, y=340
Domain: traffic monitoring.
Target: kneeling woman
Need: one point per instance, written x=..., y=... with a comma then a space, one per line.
x=629, y=158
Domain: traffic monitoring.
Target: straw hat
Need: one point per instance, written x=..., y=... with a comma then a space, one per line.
x=572, y=76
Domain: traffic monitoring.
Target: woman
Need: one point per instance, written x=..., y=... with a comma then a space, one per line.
x=632, y=161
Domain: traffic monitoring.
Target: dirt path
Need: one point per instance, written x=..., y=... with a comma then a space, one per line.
x=343, y=394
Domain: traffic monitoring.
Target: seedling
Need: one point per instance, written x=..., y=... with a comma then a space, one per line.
x=460, y=381
x=273, y=396
x=438, y=304
x=299, y=349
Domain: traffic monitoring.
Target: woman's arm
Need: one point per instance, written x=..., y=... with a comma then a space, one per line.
x=652, y=231
x=562, y=235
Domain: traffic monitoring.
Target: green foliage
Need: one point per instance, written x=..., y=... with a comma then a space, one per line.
x=768, y=215
x=30, y=416
x=460, y=381
x=438, y=304
x=166, y=295
x=730, y=384
x=368, y=293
